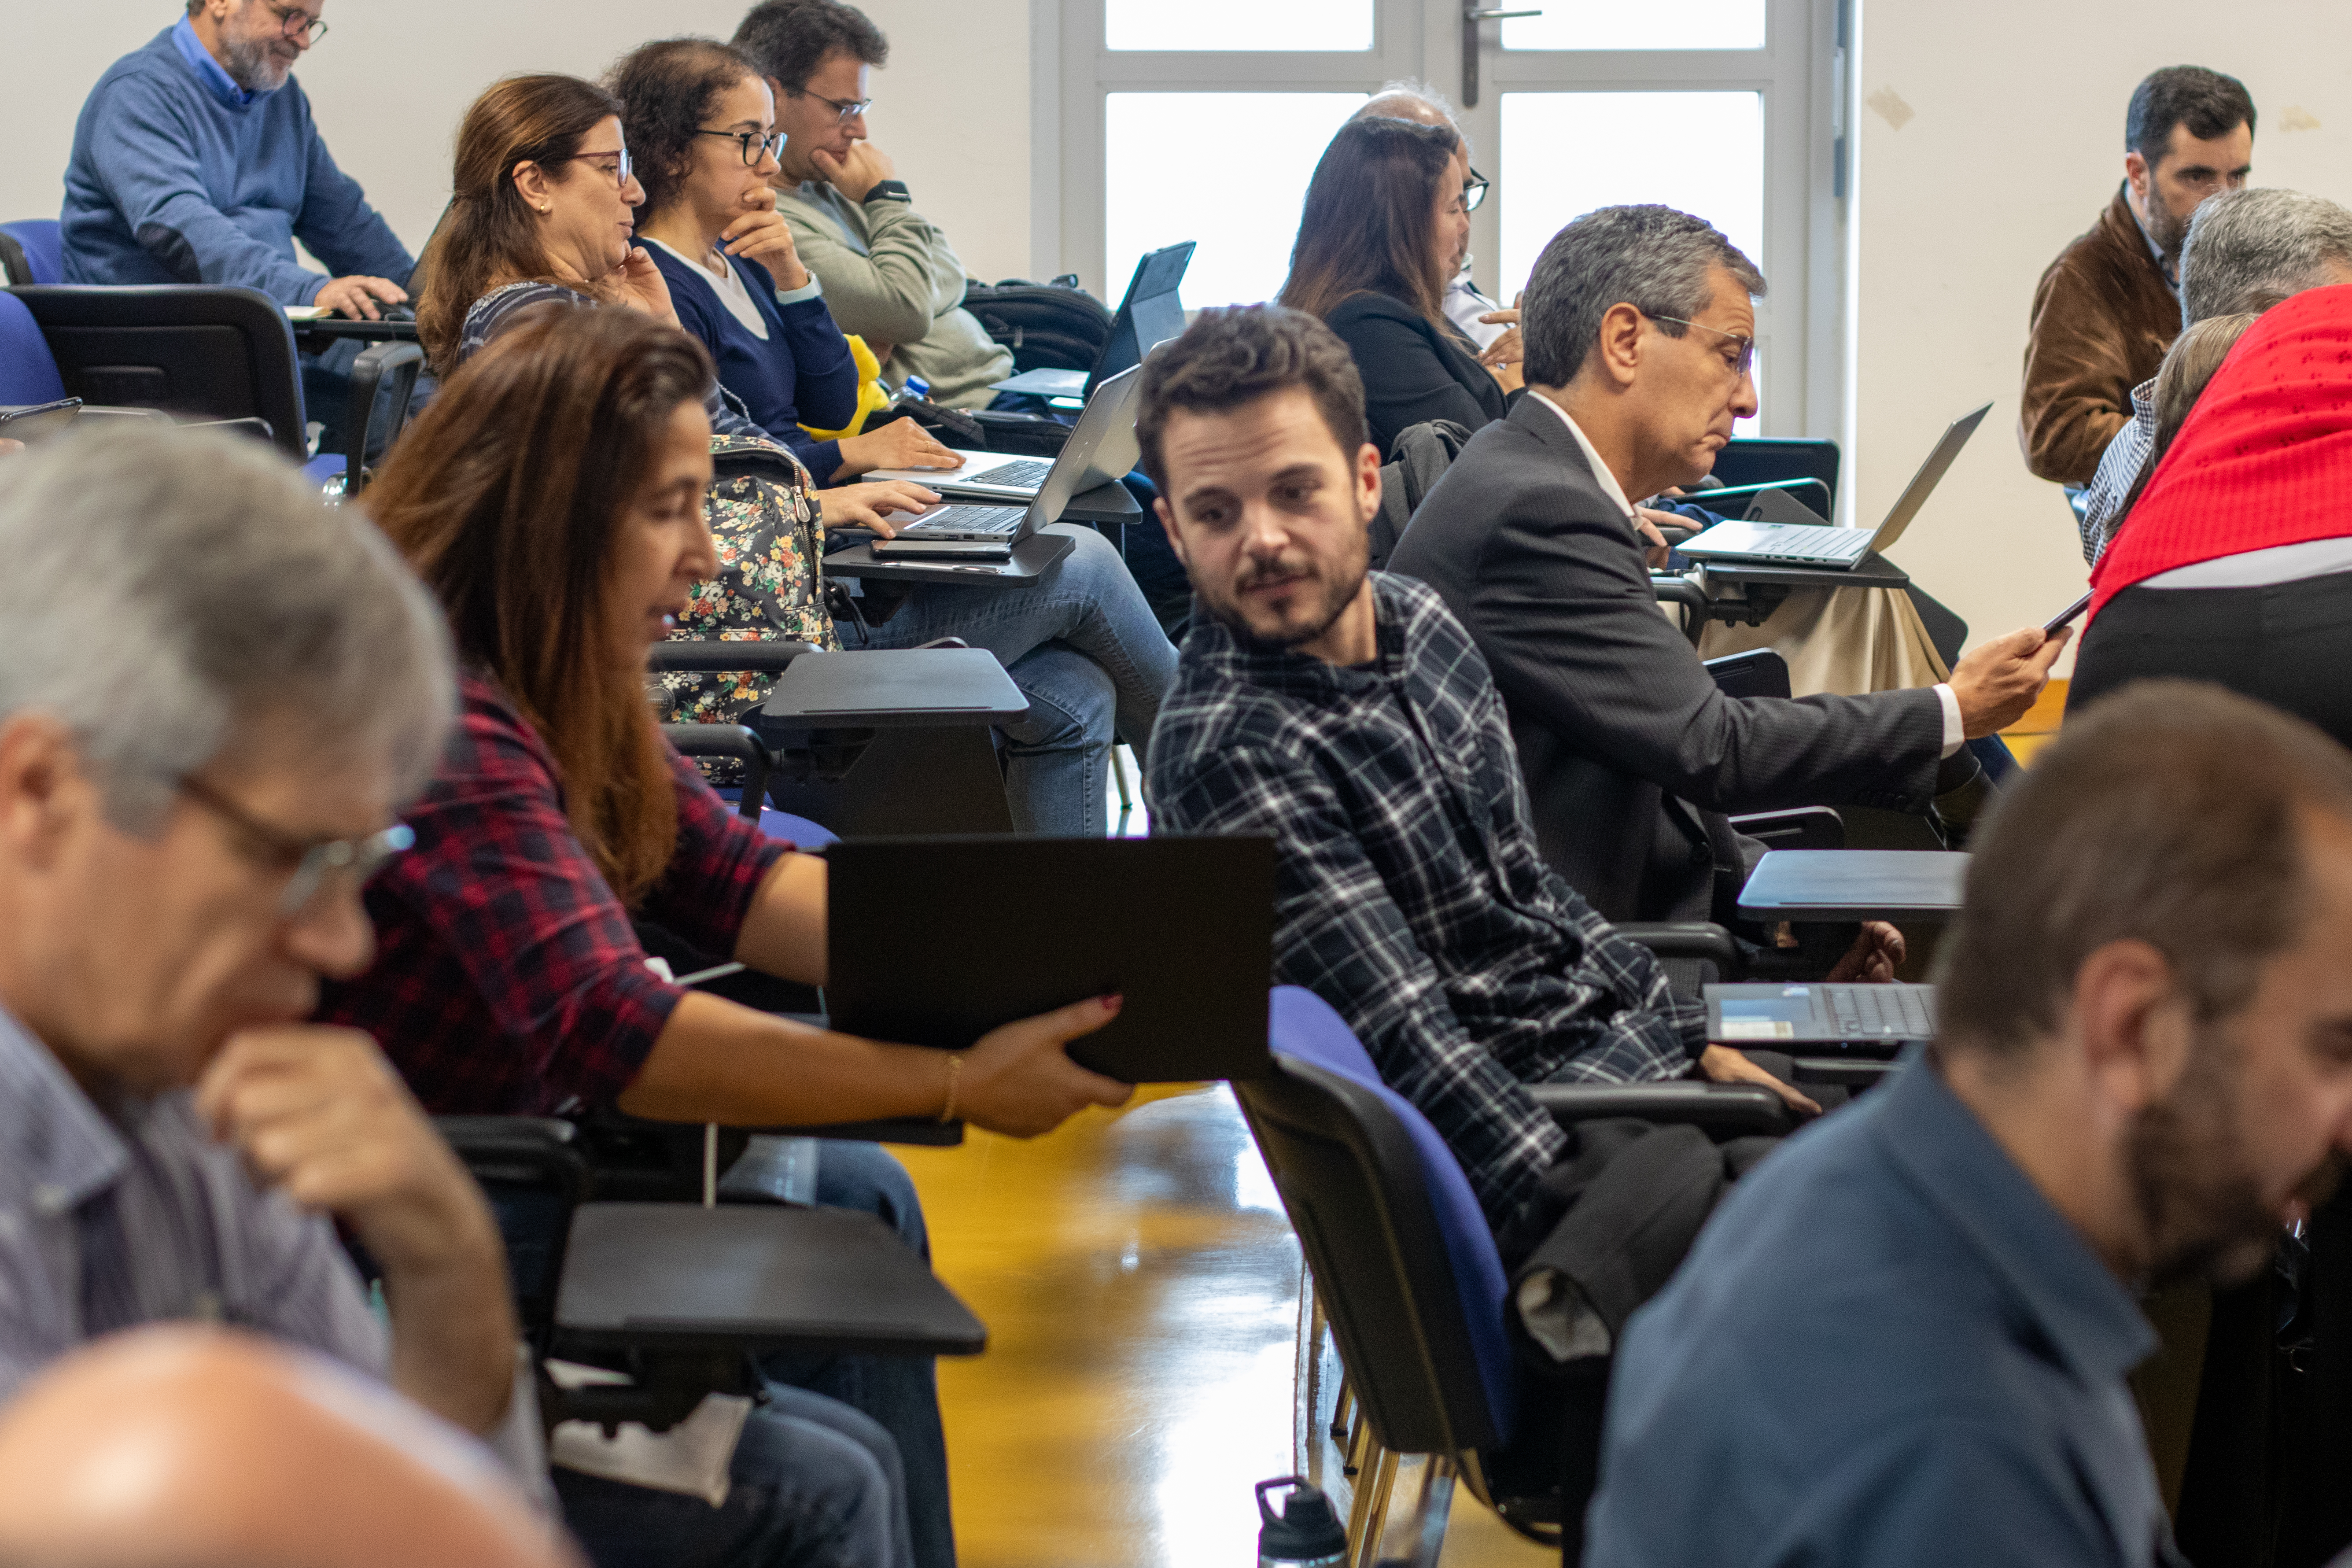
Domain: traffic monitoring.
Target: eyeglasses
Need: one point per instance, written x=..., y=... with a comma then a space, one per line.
x=755, y=146
x=1747, y=360
x=297, y=24
x=309, y=863
x=622, y=170
x=1473, y=191
x=845, y=112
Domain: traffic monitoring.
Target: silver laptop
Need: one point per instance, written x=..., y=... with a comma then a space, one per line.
x=992, y=476
x=1818, y=1013
x=1838, y=549
x=1105, y=437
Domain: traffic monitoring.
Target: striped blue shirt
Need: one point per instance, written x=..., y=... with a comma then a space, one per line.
x=138, y=1216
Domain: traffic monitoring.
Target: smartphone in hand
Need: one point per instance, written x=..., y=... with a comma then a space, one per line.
x=2050, y=628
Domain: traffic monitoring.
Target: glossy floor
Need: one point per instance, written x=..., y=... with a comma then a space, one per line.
x=1141, y=1286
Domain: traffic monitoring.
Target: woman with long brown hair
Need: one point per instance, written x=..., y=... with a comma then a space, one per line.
x=551, y=498
x=1383, y=228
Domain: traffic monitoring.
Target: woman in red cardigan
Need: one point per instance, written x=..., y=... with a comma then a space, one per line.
x=2235, y=566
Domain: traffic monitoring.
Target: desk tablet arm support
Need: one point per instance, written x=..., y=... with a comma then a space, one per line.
x=1689, y=939
x=732, y=740
x=1674, y=589
x=390, y=366
x=1719, y=1110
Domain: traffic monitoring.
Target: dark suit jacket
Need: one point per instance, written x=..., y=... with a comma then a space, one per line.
x=1413, y=370
x=1614, y=717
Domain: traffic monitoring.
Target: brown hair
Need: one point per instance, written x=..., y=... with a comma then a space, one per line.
x=2166, y=814
x=1368, y=225
x=505, y=495
x=667, y=90
x=2190, y=364
x=1238, y=355
x=486, y=237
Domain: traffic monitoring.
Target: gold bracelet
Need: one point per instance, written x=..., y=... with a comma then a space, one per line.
x=955, y=1073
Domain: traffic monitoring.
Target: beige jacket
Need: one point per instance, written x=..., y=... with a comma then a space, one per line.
x=890, y=278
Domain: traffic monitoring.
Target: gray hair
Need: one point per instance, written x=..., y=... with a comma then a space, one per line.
x=1397, y=99
x=1652, y=257
x=2248, y=248
x=164, y=589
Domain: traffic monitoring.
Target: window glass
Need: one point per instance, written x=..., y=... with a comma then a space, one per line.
x=1652, y=25
x=1320, y=25
x=1166, y=182
x=1700, y=152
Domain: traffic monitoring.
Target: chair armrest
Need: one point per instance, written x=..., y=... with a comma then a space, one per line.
x=1689, y=939
x=532, y=1151
x=1732, y=1109
x=1802, y=827
x=1696, y=606
x=1757, y=672
x=396, y=364
x=728, y=741
x=705, y=654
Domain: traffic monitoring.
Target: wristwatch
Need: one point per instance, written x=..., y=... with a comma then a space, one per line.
x=888, y=191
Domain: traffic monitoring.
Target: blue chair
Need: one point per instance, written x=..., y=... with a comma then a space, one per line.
x=1405, y=1270
x=28, y=372
x=33, y=251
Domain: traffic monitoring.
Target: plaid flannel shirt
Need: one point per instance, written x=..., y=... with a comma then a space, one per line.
x=1410, y=893
x=508, y=977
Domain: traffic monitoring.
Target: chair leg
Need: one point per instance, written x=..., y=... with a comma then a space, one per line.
x=1118, y=777
x=1369, y=1517
x=1423, y=1531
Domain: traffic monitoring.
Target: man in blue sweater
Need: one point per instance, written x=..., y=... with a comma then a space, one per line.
x=195, y=160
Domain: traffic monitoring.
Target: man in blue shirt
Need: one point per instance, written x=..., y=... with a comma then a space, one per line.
x=195, y=160
x=1904, y=1338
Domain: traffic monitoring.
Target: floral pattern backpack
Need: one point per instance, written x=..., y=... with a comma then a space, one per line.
x=771, y=582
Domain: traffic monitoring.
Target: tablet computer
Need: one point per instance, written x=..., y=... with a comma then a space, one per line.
x=935, y=942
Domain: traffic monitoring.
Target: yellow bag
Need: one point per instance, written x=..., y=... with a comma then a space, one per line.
x=872, y=395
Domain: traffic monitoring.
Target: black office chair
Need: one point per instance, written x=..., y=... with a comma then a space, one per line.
x=1404, y=1271
x=1755, y=460
x=205, y=352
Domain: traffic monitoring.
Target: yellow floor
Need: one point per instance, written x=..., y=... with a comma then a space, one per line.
x=1140, y=1287
x=2040, y=725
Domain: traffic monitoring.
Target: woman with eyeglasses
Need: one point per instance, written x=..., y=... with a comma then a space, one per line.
x=1382, y=232
x=701, y=123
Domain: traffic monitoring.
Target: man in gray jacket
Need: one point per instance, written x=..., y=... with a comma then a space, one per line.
x=889, y=274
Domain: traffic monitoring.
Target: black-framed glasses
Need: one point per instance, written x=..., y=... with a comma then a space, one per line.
x=1473, y=191
x=1747, y=361
x=309, y=863
x=623, y=169
x=755, y=146
x=843, y=113
x=297, y=24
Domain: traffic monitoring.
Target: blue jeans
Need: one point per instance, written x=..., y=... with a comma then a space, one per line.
x=1083, y=647
x=811, y=1487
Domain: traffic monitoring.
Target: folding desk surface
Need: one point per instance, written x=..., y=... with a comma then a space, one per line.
x=676, y=1276
x=879, y=689
x=1872, y=570
x=1032, y=559
x=1855, y=885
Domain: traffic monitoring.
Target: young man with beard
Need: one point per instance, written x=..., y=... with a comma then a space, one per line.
x=1345, y=714
x=2110, y=305
x=195, y=160
x=1904, y=1338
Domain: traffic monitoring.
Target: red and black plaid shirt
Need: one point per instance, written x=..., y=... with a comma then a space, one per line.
x=508, y=979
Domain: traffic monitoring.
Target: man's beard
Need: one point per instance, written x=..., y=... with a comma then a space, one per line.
x=2201, y=1203
x=2168, y=233
x=1338, y=592
x=255, y=65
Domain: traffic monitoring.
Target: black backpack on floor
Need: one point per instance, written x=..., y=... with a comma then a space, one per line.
x=1048, y=326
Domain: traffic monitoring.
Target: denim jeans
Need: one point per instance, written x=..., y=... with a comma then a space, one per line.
x=1083, y=647
x=809, y=1488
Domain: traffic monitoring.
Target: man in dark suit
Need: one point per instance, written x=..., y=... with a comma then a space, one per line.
x=1640, y=332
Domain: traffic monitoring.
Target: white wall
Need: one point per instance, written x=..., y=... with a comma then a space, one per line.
x=392, y=76
x=2010, y=143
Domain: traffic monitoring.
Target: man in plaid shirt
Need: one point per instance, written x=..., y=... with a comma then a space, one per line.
x=1346, y=714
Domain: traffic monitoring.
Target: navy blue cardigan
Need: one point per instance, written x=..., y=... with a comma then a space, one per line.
x=803, y=373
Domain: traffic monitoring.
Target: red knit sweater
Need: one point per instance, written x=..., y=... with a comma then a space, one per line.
x=2264, y=459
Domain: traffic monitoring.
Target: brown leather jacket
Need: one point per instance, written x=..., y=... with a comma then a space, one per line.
x=2102, y=316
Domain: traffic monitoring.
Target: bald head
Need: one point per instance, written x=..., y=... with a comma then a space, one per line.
x=1412, y=100
x=181, y=1446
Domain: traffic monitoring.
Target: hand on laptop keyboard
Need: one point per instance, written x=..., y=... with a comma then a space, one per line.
x=864, y=506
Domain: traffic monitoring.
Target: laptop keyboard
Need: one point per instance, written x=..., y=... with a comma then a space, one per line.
x=986, y=520
x=1897, y=1012
x=1028, y=471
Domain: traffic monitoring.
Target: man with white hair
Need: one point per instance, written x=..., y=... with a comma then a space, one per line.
x=195, y=160
x=215, y=697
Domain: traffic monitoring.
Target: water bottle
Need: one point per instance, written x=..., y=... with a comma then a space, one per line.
x=1307, y=1535
x=916, y=387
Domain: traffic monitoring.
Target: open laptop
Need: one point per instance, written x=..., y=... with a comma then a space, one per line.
x=974, y=530
x=1838, y=549
x=1819, y=1014
x=1182, y=929
x=1149, y=315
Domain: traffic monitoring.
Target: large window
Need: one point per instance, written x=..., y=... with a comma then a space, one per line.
x=1203, y=121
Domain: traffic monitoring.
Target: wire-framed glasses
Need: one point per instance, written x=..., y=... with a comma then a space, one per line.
x=754, y=145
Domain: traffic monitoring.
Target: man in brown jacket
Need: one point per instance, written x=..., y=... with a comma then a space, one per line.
x=2110, y=305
